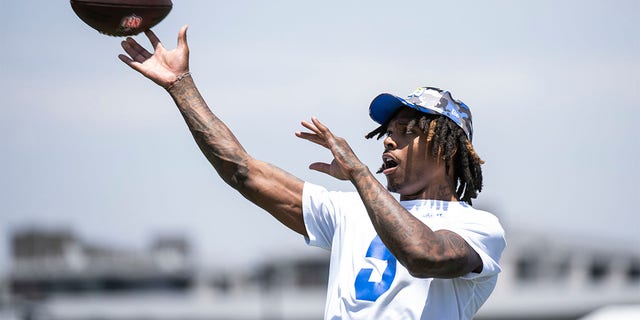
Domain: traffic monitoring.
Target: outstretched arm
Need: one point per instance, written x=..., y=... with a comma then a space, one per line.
x=269, y=187
x=425, y=253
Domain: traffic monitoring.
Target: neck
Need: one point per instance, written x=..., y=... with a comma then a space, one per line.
x=442, y=190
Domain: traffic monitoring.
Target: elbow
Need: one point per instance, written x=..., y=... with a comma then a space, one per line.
x=417, y=272
x=435, y=267
x=239, y=179
x=422, y=267
x=235, y=174
x=246, y=178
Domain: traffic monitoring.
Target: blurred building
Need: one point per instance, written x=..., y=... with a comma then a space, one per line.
x=47, y=263
x=547, y=277
x=55, y=275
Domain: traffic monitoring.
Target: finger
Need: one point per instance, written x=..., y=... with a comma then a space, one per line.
x=133, y=45
x=321, y=167
x=128, y=48
x=135, y=51
x=182, y=38
x=321, y=129
x=310, y=126
x=152, y=38
x=133, y=64
x=311, y=137
x=125, y=59
x=144, y=53
x=319, y=125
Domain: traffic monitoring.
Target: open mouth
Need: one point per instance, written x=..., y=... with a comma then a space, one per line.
x=388, y=162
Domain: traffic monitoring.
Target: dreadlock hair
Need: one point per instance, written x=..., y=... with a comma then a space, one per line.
x=448, y=142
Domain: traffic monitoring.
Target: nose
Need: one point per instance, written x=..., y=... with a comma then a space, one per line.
x=389, y=144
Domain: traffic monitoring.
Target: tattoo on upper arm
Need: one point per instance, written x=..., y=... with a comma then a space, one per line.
x=455, y=244
x=405, y=236
x=460, y=248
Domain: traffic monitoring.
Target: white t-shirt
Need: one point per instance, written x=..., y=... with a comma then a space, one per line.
x=367, y=282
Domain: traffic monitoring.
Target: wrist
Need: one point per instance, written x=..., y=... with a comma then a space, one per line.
x=180, y=79
x=359, y=173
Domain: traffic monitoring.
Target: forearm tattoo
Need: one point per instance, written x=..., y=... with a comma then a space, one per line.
x=213, y=137
x=412, y=242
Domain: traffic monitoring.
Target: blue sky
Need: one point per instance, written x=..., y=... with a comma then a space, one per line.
x=554, y=87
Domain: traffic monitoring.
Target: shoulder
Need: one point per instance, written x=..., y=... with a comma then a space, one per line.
x=467, y=215
x=311, y=190
x=479, y=228
x=483, y=231
x=315, y=196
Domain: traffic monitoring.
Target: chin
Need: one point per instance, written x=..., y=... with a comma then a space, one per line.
x=392, y=187
x=402, y=189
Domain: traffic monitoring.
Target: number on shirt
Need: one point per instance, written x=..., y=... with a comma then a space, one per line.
x=371, y=291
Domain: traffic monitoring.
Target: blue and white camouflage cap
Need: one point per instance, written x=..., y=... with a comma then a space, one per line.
x=426, y=99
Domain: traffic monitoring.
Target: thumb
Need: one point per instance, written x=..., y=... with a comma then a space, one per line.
x=182, y=37
x=321, y=167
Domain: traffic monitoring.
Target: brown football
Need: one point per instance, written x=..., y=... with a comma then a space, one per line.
x=121, y=17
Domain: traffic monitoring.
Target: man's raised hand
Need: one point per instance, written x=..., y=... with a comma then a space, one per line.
x=345, y=162
x=162, y=66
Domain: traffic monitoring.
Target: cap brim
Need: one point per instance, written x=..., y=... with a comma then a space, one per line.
x=385, y=105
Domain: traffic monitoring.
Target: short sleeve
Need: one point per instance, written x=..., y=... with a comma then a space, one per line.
x=486, y=236
x=319, y=215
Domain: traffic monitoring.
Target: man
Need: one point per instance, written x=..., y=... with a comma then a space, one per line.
x=429, y=256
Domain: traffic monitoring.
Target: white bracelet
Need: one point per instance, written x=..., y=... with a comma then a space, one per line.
x=178, y=79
